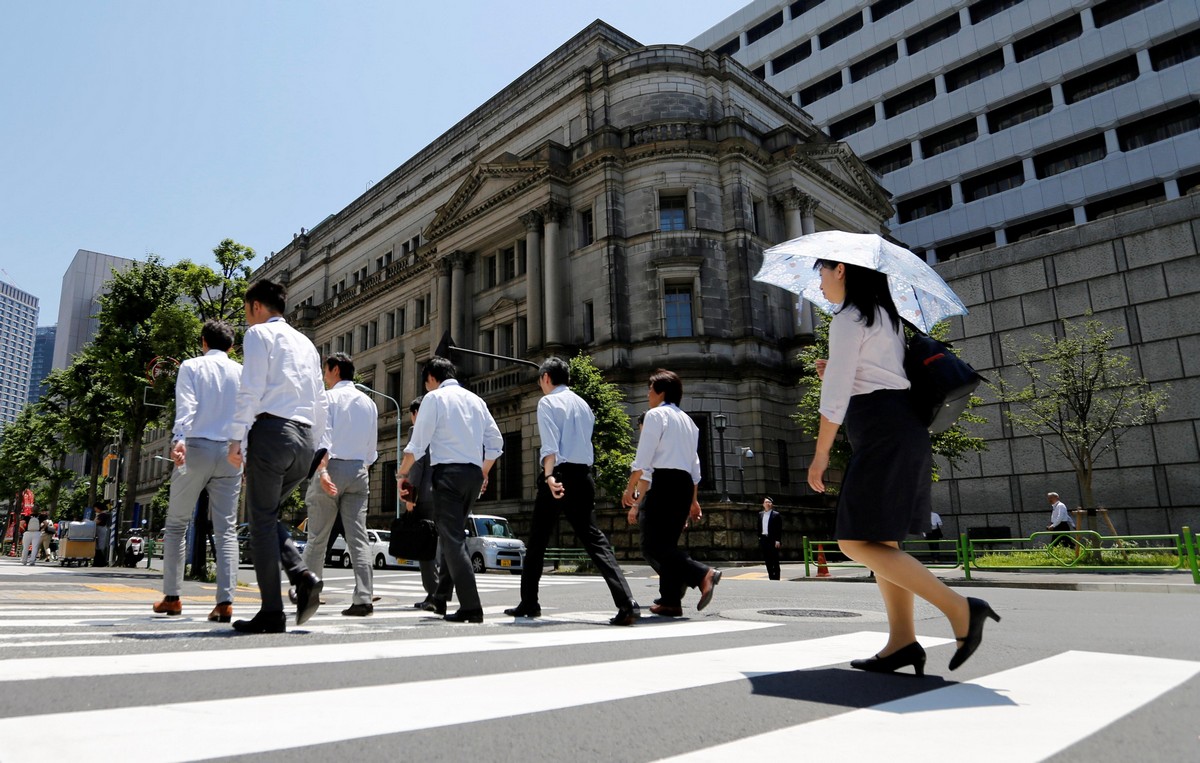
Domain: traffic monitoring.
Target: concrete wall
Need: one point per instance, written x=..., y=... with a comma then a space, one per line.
x=1138, y=271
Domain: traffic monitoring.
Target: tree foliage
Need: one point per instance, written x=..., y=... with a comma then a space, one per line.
x=1080, y=395
x=612, y=438
x=217, y=294
x=952, y=444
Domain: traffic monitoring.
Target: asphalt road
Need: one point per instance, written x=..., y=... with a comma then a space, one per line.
x=1066, y=676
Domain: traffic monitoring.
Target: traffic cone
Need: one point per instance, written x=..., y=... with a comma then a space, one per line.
x=822, y=570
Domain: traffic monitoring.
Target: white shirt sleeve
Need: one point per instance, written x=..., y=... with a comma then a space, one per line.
x=185, y=402
x=846, y=335
x=254, y=383
x=652, y=431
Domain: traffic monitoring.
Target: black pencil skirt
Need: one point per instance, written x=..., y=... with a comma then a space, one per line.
x=886, y=490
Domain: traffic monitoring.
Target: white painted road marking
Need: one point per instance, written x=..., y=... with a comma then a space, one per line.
x=255, y=724
x=1026, y=713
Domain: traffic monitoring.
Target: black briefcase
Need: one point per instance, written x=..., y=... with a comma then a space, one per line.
x=413, y=538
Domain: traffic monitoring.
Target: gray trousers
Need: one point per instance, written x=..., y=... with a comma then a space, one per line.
x=278, y=454
x=455, y=488
x=207, y=466
x=352, y=483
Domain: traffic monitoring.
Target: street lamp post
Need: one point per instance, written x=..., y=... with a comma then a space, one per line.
x=743, y=452
x=399, y=448
x=719, y=423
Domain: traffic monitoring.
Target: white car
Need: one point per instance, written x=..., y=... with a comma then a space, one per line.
x=380, y=558
x=492, y=545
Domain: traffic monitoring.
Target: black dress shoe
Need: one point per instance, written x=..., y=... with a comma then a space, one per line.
x=308, y=596
x=465, y=616
x=524, y=610
x=421, y=604
x=292, y=596
x=626, y=615
x=438, y=607
x=359, y=610
x=263, y=622
x=912, y=654
x=980, y=612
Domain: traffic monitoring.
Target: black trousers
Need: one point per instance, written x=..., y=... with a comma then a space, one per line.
x=455, y=488
x=279, y=452
x=664, y=513
x=770, y=556
x=578, y=507
x=1061, y=540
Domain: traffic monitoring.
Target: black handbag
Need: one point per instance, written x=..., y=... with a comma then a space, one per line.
x=942, y=382
x=413, y=538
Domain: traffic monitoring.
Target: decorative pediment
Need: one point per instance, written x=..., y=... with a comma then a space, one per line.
x=837, y=165
x=504, y=304
x=489, y=184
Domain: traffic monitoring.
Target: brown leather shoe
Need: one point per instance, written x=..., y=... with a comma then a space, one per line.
x=706, y=588
x=165, y=607
x=665, y=610
x=222, y=613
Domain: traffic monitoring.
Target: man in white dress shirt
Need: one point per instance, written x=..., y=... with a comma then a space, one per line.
x=1060, y=518
x=350, y=439
x=565, y=424
x=280, y=404
x=463, y=441
x=205, y=396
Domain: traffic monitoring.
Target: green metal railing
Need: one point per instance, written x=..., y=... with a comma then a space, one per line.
x=1082, y=550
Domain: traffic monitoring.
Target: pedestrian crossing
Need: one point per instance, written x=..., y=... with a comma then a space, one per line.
x=405, y=683
x=403, y=584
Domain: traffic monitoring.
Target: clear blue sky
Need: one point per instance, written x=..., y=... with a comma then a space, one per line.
x=132, y=127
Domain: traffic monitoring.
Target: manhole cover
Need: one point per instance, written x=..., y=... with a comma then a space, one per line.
x=808, y=613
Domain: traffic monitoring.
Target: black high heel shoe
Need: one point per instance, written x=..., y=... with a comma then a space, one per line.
x=912, y=654
x=980, y=612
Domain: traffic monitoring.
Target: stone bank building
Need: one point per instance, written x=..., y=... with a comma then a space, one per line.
x=615, y=199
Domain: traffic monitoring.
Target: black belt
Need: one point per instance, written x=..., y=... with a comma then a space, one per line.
x=272, y=416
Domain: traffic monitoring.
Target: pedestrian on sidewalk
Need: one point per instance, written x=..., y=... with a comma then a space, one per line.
x=350, y=442
x=30, y=539
x=206, y=391
x=668, y=447
x=770, y=538
x=280, y=403
x=464, y=442
x=1060, y=519
x=566, y=488
x=885, y=493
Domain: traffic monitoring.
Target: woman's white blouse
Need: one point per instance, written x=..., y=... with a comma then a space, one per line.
x=861, y=360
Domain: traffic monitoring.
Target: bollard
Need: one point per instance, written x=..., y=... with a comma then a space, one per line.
x=822, y=570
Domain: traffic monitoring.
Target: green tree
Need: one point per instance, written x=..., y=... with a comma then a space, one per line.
x=1079, y=395
x=217, y=294
x=142, y=320
x=83, y=411
x=21, y=465
x=612, y=438
x=952, y=444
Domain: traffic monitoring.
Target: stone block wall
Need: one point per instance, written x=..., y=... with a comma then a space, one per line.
x=1138, y=271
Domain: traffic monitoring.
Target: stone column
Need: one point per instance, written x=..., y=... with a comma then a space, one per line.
x=555, y=285
x=789, y=202
x=443, y=302
x=458, y=302
x=798, y=209
x=533, y=278
x=808, y=212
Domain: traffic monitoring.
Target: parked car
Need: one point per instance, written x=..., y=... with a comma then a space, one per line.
x=492, y=545
x=380, y=557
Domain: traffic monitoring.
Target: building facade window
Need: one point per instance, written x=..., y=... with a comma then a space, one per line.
x=874, y=63
x=821, y=88
x=909, y=99
x=764, y=28
x=1047, y=39
x=1100, y=79
x=1040, y=225
x=1176, y=51
x=890, y=161
x=672, y=211
x=800, y=7
x=952, y=137
x=985, y=9
x=932, y=34
x=1075, y=154
x=677, y=310
x=975, y=70
x=840, y=30
x=991, y=183
x=790, y=58
x=1159, y=127
x=886, y=8
x=1111, y=11
x=852, y=124
x=1022, y=110
x=589, y=322
x=925, y=204
x=587, y=228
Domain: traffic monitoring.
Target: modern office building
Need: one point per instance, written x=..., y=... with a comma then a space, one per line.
x=83, y=283
x=991, y=121
x=43, y=360
x=18, y=322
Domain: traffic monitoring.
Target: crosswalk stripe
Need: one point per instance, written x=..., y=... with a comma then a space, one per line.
x=1039, y=708
x=254, y=724
x=33, y=668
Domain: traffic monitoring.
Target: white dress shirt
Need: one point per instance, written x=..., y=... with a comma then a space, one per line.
x=1059, y=513
x=206, y=396
x=669, y=439
x=281, y=375
x=352, y=429
x=456, y=426
x=861, y=360
x=565, y=423
x=766, y=522
x=935, y=520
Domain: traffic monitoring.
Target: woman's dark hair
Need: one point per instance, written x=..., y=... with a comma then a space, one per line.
x=866, y=290
x=667, y=384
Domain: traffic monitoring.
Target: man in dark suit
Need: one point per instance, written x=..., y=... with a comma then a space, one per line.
x=770, y=537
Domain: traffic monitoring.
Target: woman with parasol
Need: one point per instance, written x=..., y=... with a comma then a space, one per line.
x=885, y=493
